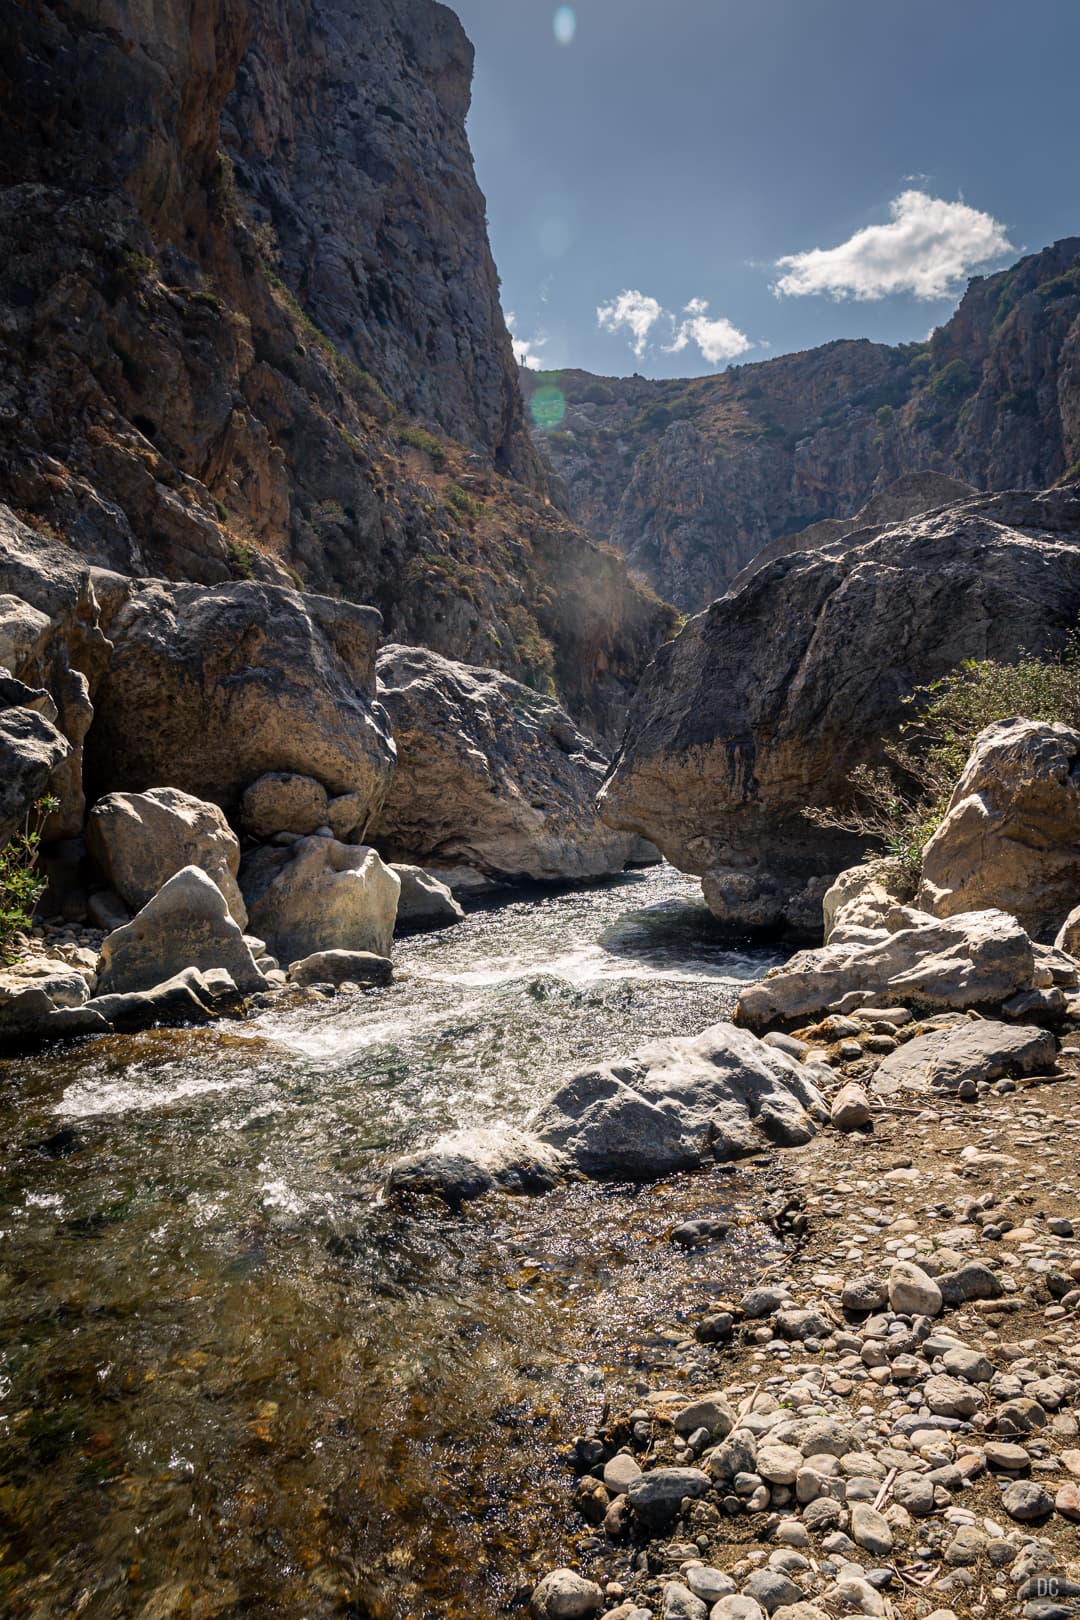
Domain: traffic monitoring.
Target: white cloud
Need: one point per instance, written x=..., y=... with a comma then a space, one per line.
x=525, y=348
x=928, y=248
x=634, y=310
x=717, y=338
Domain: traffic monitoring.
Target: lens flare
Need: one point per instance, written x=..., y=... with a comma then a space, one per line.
x=565, y=25
x=548, y=406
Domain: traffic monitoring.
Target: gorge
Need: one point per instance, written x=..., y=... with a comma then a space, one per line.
x=488, y=1129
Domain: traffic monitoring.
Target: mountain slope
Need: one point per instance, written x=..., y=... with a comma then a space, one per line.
x=249, y=326
x=690, y=479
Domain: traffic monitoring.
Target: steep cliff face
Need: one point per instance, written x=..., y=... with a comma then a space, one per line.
x=249, y=327
x=691, y=479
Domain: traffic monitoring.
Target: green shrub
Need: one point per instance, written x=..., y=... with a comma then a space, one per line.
x=21, y=885
x=421, y=439
x=242, y=558
x=460, y=500
x=900, y=804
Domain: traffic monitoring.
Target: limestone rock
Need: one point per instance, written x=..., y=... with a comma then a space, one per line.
x=978, y=957
x=850, y=1109
x=1011, y=838
x=912, y=1292
x=208, y=689
x=283, y=801
x=1068, y=935
x=319, y=895
x=189, y=997
x=763, y=704
x=657, y=1495
x=862, y=901
x=424, y=901
x=140, y=840
x=562, y=1595
x=944, y=1058
x=339, y=967
x=681, y=1103
x=186, y=924
x=31, y=749
x=491, y=775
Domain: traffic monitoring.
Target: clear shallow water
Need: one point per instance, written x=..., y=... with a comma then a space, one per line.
x=232, y=1382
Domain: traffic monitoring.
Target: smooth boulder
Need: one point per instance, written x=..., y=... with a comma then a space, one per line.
x=764, y=703
x=1011, y=837
x=943, y=1059
x=186, y=924
x=977, y=958
x=31, y=750
x=491, y=775
x=342, y=967
x=319, y=895
x=284, y=801
x=424, y=901
x=140, y=840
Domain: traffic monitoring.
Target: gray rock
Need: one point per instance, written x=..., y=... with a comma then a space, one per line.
x=1027, y=1500
x=772, y=1589
x=338, y=967
x=658, y=1495
x=31, y=749
x=186, y=924
x=951, y=1397
x=490, y=774
x=915, y=1493
x=620, y=1472
x=971, y=1365
x=681, y=1604
x=736, y=1455
x=862, y=1294
x=870, y=1530
x=709, y=1584
x=424, y=901
x=681, y=1103
x=469, y=1164
x=973, y=1280
x=711, y=1412
x=850, y=1109
x=967, y=960
x=187, y=998
x=980, y=1051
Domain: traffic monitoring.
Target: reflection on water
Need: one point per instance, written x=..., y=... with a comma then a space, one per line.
x=233, y=1383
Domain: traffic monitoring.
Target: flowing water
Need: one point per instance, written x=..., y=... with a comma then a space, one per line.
x=234, y=1382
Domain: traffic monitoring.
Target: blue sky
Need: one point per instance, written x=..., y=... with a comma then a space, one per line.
x=655, y=174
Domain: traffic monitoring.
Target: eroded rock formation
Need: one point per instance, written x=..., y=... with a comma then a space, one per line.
x=765, y=702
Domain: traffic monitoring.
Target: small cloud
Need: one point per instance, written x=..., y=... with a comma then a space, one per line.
x=525, y=348
x=717, y=338
x=634, y=310
x=928, y=248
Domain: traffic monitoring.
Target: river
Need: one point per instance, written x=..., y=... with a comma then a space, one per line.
x=235, y=1383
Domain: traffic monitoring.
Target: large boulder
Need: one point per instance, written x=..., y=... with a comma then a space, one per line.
x=210, y=688
x=681, y=1103
x=31, y=749
x=491, y=775
x=978, y=958
x=283, y=801
x=424, y=901
x=765, y=702
x=675, y=1105
x=1011, y=837
x=140, y=840
x=943, y=1059
x=186, y=924
x=318, y=895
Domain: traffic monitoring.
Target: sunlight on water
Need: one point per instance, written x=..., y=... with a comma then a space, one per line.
x=234, y=1382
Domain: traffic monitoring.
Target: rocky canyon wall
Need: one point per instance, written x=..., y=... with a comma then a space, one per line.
x=249, y=328
x=690, y=479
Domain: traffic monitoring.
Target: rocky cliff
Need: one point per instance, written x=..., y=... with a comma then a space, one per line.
x=249, y=328
x=765, y=702
x=691, y=479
